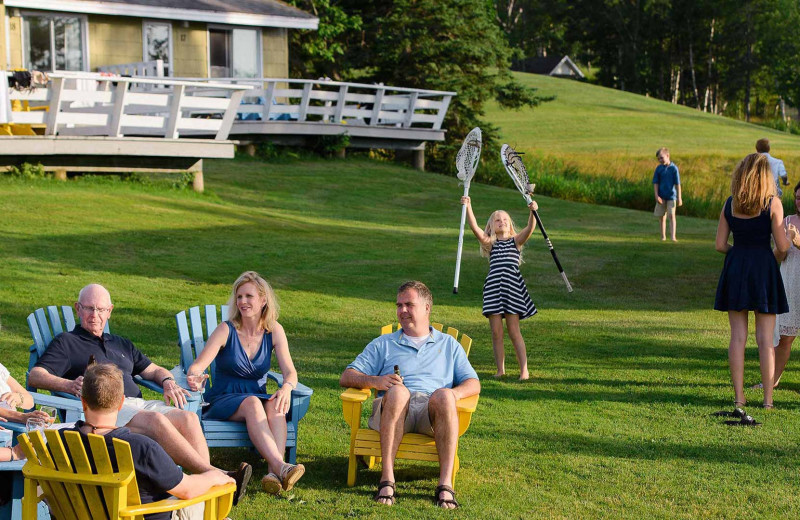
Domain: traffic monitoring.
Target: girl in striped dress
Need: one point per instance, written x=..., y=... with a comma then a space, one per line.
x=504, y=292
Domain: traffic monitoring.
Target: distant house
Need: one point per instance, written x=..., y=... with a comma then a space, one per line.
x=193, y=38
x=550, y=66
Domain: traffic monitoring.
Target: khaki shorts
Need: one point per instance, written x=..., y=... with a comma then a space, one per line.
x=417, y=418
x=662, y=209
x=134, y=405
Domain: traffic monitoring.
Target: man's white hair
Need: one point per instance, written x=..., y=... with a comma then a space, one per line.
x=92, y=286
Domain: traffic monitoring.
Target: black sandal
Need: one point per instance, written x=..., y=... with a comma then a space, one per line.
x=379, y=496
x=442, y=501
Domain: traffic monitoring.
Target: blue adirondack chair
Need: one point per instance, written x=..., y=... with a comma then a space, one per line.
x=43, y=330
x=230, y=433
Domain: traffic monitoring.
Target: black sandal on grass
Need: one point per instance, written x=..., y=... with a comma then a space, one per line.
x=378, y=496
x=442, y=501
x=744, y=421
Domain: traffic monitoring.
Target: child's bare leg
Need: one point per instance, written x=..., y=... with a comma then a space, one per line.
x=512, y=323
x=782, y=352
x=738, y=322
x=674, y=224
x=663, y=220
x=496, y=322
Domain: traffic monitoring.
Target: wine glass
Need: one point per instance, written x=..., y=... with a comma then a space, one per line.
x=199, y=378
x=35, y=423
x=51, y=412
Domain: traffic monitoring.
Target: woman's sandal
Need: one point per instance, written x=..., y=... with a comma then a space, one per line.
x=441, y=501
x=392, y=498
x=768, y=406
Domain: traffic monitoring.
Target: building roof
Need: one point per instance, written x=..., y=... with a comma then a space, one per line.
x=552, y=65
x=258, y=13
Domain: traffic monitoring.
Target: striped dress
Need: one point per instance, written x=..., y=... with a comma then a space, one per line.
x=504, y=291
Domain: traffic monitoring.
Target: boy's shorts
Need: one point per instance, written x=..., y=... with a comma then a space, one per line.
x=662, y=209
x=417, y=419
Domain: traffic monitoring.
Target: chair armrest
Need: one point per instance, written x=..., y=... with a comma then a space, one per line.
x=62, y=403
x=355, y=395
x=172, y=504
x=299, y=391
x=148, y=384
x=468, y=404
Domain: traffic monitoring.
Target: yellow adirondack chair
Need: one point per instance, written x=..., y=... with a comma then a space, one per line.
x=74, y=492
x=366, y=443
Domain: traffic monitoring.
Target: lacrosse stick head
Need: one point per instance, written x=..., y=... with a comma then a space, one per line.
x=517, y=171
x=468, y=156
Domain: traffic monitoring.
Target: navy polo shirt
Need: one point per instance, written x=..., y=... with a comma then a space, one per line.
x=68, y=355
x=156, y=473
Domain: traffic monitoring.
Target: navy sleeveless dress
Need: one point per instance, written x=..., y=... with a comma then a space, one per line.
x=236, y=377
x=504, y=290
x=751, y=279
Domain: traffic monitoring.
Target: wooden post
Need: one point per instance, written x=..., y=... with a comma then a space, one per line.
x=60, y=174
x=197, y=183
x=248, y=148
x=418, y=159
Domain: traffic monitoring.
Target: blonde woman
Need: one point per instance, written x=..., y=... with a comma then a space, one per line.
x=242, y=348
x=751, y=279
x=504, y=292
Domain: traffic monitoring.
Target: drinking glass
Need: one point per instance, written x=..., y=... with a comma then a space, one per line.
x=199, y=378
x=51, y=412
x=35, y=423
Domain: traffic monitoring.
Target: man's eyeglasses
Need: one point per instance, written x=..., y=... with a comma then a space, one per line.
x=92, y=310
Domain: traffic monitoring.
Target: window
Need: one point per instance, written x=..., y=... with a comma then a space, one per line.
x=157, y=40
x=54, y=42
x=234, y=53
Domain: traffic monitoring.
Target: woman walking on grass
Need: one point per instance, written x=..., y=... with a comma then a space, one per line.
x=504, y=292
x=751, y=279
x=789, y=323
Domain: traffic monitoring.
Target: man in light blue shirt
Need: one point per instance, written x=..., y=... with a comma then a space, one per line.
x=776, y=165
x=434, y=373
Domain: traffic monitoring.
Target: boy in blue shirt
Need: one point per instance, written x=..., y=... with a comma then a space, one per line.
x=667, y=190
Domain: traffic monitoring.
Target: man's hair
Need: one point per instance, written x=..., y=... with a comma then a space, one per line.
x=421, y=288
x=662, y=149
x=86, y=289
x=762, y=145
x=103, y=388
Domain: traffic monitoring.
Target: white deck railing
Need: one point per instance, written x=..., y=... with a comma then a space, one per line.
x=93, y=104
x=339, y=102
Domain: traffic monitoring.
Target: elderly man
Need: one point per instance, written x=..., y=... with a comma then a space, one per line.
x=62, y=365
x=434, y=374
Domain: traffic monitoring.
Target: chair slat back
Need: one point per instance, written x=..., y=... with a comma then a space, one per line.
x=96, y=494
x=93, y=500
x=193, y=333
x=466, y=343
x=184, y=340
x=437, y=326
x=452, y=332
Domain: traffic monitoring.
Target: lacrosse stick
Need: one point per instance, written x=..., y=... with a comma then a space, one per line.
x=466, y=163
x=516, y=169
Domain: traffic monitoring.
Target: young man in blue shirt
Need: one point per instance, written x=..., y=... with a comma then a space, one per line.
x=667, y=190
x=435, y=373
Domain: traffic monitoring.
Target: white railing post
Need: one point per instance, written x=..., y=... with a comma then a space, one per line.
x=303, y=108
x=230, y=115
x=442, y=112
x=115, y=124
x=376, y=107
x=268, y=97
x=175, y=113
x=56, y=91
x=340, y=102
x=412, y=102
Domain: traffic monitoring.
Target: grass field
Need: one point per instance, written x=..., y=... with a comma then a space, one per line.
x=625, y=371
x=601, y=132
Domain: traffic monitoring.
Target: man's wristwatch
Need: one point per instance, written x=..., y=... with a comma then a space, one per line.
x=168, y=378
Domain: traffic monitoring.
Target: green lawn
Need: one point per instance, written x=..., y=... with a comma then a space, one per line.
x=625, y=371
x=609, y=133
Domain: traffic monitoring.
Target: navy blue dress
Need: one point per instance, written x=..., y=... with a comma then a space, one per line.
x=751, y=279
x=236, y=377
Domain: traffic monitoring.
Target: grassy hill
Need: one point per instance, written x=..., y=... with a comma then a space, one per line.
x=607, y=133
x=625, y=371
